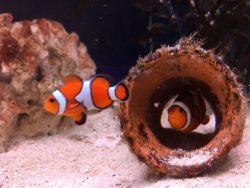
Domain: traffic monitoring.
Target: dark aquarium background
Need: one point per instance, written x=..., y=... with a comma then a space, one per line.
x=117, y=32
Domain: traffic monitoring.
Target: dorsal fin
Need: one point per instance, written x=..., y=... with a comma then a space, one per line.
x=99, y=88
x=106, y=76
x=72, y=79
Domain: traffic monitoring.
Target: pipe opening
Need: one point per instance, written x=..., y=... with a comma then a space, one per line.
x=176, y=139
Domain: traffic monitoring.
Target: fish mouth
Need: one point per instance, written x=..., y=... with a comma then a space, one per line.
x=172, y=118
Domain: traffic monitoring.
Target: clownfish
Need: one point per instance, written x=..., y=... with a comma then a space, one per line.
x=185, y=113
x=77, y=96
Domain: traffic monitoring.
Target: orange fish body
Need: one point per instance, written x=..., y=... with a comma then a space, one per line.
x=77, y=96
x=187, y=112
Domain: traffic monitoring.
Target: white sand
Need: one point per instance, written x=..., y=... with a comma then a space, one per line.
x=94, y=155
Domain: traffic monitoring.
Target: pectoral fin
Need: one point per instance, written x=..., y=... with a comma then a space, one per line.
x=205, y=120
x=73, y=105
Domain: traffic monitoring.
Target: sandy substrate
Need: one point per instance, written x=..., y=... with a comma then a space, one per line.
x=94, y=155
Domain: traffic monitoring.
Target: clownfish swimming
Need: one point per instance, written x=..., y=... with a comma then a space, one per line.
x=77, y=96
x=185, y=113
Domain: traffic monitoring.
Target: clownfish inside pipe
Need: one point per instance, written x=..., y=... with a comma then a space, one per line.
x=77, y=96
x=185, y=112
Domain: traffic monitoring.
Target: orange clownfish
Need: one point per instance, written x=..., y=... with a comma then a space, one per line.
x=77, y=96
x=185, y=113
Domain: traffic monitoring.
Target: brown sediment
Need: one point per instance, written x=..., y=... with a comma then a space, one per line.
x=160, y=76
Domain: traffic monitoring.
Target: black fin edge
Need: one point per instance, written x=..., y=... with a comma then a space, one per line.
x=83, y=120
x=126, y=90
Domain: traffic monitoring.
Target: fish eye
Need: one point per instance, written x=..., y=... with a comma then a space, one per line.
x=181, y=110
x=51, y=100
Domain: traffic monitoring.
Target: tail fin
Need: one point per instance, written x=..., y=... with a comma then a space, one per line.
x=119, y=92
